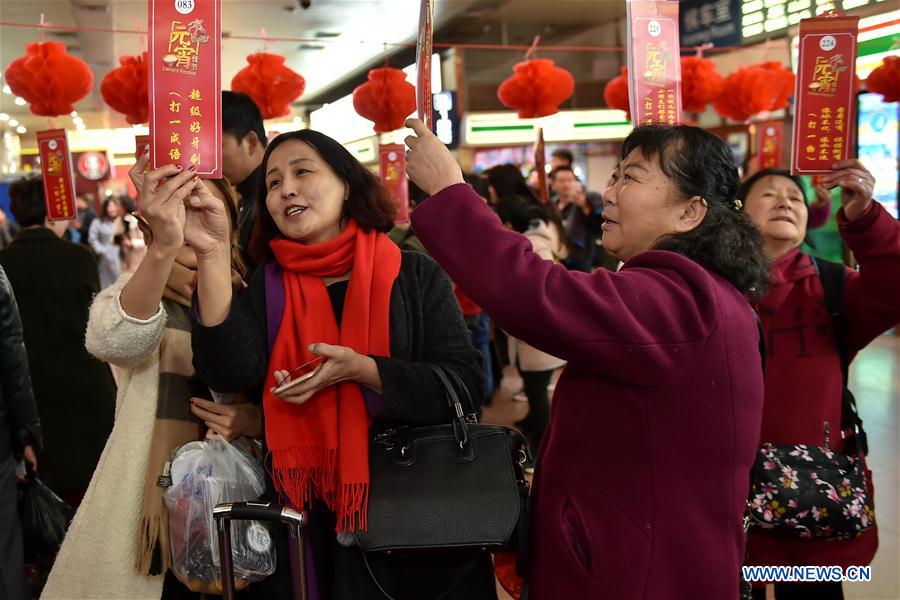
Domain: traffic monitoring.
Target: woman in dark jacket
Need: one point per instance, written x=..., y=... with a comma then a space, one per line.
x=334, y=286
x=804, y=381
x=641, y=481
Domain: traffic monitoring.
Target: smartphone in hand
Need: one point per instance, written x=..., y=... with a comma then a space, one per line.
x=290, y=384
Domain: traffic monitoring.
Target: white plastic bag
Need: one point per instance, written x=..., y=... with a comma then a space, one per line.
x=205, y=474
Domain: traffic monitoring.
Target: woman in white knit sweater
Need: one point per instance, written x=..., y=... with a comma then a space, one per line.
x=117, y=545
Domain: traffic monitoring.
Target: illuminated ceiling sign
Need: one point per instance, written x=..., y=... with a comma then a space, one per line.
x=760, y=18
x=506, y=129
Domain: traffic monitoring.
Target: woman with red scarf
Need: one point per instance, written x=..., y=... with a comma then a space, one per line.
x=333, y=286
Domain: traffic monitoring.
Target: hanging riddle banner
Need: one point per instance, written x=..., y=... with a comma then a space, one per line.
x=56, y=170
x=769, y=144
x=540, y=165
x=423, y=62
x=392, y=168
x=824, y=110
x=185, y=84
x=654, y=62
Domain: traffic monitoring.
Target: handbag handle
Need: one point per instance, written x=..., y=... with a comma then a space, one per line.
x=460, y=423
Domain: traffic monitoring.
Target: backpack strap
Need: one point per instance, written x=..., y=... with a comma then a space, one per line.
x=833, y=275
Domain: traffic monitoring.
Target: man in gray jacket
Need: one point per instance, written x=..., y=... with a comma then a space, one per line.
x=20, y=436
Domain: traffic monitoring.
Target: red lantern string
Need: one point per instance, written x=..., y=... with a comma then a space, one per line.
x=616, y=93
x=271, y=84
x=885, y=80
x=537, y=86
x=125, y=89
x=387, y=98
x=755, y=91
x=49, y=79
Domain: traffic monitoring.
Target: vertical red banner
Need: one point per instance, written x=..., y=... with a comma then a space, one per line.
x=185, y=84
x=56, y=169
x=540, y=165
x=654, y=62
x=769, y=144
x=824, y=101
x=141, y=145
x=423, y=62
x=392, y=168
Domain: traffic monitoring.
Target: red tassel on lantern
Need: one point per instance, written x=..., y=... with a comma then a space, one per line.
x=537, y=88
x=49, y=79
x=756, y=89
x=387, y=98
x=270, y=84
x=885, y=80
x=616, y=92
x=125, y=89
x=700, y=83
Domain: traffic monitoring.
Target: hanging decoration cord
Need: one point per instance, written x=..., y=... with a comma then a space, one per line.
x=267, y=39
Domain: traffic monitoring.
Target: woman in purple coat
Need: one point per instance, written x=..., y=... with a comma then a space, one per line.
x=643, y=474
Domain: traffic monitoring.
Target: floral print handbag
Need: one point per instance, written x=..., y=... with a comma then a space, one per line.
x=811, y=492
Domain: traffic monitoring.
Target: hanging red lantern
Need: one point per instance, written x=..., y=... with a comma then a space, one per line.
x=49, y=79
x=125, y=89
x=756, y=89
x=700, y=83
x=537, y=88
x=387, y=98
x=270, y=84
x=616, y=92
x=885, y=80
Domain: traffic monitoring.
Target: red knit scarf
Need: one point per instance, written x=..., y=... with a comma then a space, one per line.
x=320, y=448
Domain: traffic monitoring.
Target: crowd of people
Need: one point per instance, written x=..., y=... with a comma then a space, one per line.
x=687, y=323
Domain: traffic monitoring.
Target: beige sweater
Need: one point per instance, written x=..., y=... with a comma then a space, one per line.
x=97, y=557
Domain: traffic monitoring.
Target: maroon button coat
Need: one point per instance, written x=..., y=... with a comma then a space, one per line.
x=643, y=474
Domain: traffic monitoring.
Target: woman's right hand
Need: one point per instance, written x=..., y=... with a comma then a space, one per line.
x=207, y=227
x=162, y=204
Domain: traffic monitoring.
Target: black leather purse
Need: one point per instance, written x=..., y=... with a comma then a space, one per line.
x=459, y=485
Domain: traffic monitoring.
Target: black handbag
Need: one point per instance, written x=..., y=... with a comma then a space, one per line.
x=459, y=485
x=810, y=491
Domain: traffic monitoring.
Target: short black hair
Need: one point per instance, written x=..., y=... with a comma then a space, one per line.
x=564, y=154
x=478, y=184
x=26, y=201
x=518, y=212
x=700, y=164
x=240, y=116
x=559, y=170
x=368, y=203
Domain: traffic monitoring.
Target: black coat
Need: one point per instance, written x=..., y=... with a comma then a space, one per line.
x=426, y=325
x=19, y=424
x=54, y=282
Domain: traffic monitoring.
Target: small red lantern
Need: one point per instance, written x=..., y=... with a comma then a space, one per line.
x=537, y=88
x=756, y=89
x=270, y=84
x=885, y=80
x=700, y=83
x=616, y=92
x=49, y=79
x=125, y=89
x=387, y=98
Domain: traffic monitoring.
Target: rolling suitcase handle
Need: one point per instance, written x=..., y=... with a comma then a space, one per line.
x=256, y=511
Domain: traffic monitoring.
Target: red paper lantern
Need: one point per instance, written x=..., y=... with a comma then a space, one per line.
x=387, y=98
x=616, y=93
x=700, y=83
x=125, y=89
x=537, y=88
x=270, y=84
x=49, y=79
x=756, y=89
x=885, y=80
